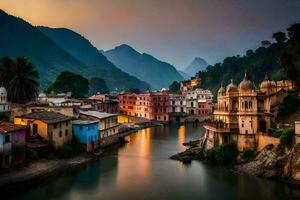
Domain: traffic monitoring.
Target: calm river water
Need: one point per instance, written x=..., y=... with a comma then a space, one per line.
x=141, y=170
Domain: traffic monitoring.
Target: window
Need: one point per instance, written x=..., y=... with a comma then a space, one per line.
x=67, y=123
x=60, y=134
x=66, y=132
x=55, y=125
x=7, y=138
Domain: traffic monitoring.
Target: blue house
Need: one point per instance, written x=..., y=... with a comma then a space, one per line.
x=86, y=133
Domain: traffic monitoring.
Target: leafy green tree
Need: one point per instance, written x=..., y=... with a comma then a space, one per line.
x=174, y=87
x=294, y=31
x=98, y=85
x=70, y=82
x=19, y=76
x=265, y=43
x=288, y=106
x=280, y=37
x=289, y=68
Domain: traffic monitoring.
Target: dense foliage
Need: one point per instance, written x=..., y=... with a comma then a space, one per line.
x=288, y=106
x=70, y=82
x=174, y=87
x=247, y=154
x=280, y=60
x=98, y=85
x=223, y=154
x=19, y=78
x=286, y=135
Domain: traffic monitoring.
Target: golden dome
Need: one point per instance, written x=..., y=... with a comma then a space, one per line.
x=231, y=87
x=266, y=83
x=222, y=90
x=246, y=85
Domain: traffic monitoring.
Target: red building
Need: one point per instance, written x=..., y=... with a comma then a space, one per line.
x=150, y=105
x=204, y=108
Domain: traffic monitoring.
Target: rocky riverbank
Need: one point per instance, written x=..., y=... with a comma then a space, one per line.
x=280, y=162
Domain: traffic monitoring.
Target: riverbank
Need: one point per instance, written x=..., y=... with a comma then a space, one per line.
x=37, y=171
x=274, y=162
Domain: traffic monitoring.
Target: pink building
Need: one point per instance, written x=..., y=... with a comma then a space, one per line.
x=150, y=105
x=12, y=144
x=204, y=108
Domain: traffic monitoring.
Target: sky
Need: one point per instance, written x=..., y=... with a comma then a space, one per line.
x=175, y=31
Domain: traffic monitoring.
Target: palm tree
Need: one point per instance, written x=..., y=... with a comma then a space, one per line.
x=20, y=79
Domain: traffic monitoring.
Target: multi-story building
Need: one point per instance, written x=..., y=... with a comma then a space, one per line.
x=104, y=103
x=86, y=133
x=12, y=144
x=190, y=84
x=127, y=103
x=242, y=112
x=54, y=127
x=4, y=105
x=191, y=102
x=150, y=105
x=108, y=128
x=177, y=103
x=204, y=108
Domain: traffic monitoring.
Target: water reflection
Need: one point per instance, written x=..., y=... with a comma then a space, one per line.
x=141, y=170
x=181, y=134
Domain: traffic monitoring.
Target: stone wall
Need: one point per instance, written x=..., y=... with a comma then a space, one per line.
x=263, y=140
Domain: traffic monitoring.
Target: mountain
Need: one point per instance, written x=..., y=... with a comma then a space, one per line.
x=184, y=75
x=81, y=48
x=144, y=66
x=19, y=38
x=198, y=64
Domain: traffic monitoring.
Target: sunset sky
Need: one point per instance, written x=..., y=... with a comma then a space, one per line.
x=175, y=31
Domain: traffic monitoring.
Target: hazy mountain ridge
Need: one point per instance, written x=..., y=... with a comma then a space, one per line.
x=144, y=66
x=198, y=64
x=52, y=55
x=99, y=65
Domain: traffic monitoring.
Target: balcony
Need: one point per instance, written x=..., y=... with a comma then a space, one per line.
x=220, y=126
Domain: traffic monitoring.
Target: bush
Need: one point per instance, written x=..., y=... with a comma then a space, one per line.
x=287, y=136
x=223, y=154
x=275, y=132
x=247, y=154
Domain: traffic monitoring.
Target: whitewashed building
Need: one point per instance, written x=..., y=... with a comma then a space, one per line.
x=4, y=105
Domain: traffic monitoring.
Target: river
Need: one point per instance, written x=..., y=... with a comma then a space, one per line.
x=141, y=170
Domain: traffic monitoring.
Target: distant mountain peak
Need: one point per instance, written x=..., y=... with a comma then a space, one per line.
x=143, y=65
x=125, y=47
x=198, y=64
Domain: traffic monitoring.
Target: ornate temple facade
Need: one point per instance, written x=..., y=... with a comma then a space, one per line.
x=244, y=111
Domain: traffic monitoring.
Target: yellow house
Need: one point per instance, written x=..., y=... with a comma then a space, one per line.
x=53, y=127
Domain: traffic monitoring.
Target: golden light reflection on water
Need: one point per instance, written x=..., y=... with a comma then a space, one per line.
x=181, y=135
x=135, y=162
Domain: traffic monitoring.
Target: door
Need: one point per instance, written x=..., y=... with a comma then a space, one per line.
x=34, y=129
